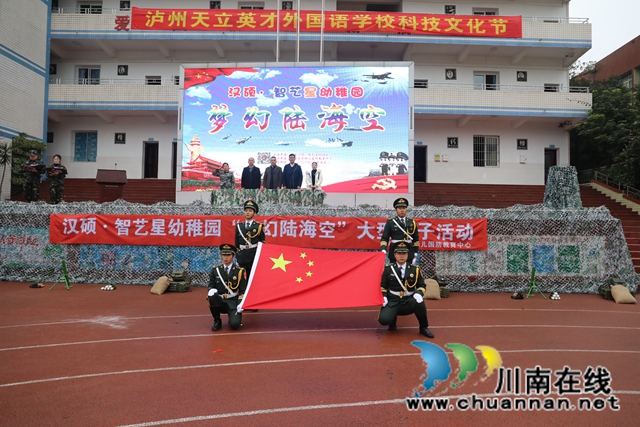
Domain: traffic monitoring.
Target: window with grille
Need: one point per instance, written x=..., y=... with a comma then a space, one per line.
x=485, y=11
x=485, y=81
x=486, y=151
x=251, y=5
x=551, y=87
x=421, y=83
x=88, y=76
x=214, y=5
x=153, y=80
x=85, y=147
x=94, y=7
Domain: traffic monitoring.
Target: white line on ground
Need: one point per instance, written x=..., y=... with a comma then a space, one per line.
x=320, y=407
x=332, y=311
x=304, y=359
x=288, y=331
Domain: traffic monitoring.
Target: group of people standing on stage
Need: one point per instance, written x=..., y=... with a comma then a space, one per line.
x=274, y=177
x=402, y=283
x=32, y=169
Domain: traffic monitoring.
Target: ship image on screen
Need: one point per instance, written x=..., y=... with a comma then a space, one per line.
x=353, y=121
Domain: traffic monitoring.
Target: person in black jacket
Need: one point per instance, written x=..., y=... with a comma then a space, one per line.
x=250, y=176
x=292, y=174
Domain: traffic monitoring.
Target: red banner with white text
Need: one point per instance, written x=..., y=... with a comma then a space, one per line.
x=334, y=22
x=307, y=231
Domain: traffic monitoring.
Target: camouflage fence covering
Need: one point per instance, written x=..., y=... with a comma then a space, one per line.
x=573, y=249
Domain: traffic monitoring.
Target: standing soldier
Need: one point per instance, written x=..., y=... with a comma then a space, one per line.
x=32, y=170
x=56, y=174
x=401, y=229
x=227, y=285
x=403, y=289
x=248, y=233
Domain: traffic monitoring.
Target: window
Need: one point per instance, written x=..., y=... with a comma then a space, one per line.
x=153, y=80
x=176, y=80
x=287, y=5
x=85, y=147
x=49, y=137
x=420, y=84
x=214, y=5
x=88, y=76
x=90, y=7
x=450, y=9
x=251, y=5
x=125, y=5
x=485, y=81
x=485, y=11
x=551, y=87
x=627, y=80
x=486, y=151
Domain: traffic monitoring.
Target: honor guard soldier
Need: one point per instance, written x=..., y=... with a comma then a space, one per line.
x=401, y=229
x=403, y=289
x=248, y=233
x=227, y=285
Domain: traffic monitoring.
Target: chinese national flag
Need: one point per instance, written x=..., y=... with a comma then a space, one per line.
x=288, y=277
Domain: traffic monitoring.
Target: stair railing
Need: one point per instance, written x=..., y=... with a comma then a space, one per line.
x=625, y=189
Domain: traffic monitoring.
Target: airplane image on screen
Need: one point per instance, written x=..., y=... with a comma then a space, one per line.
x=382, y=77
x=243, y=140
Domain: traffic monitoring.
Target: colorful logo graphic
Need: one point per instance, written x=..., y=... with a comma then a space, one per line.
x=439, y=367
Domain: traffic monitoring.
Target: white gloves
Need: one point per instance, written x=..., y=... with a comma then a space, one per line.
x=418, y=298
x=239, y=309
x=386, y=301
x=383, y=251
x=212, y=292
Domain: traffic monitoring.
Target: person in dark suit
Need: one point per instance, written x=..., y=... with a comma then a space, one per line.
x=292, y=174
x=227, y=285
x=403, y=289
x=250, y=176
x=272, y=179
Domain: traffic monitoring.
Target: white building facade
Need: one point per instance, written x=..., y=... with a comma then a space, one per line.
x=485, y=109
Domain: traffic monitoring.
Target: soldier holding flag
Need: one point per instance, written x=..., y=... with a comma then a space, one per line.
x=227, y=285
x=401, y=229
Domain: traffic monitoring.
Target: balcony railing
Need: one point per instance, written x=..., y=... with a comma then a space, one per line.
x=501, y=87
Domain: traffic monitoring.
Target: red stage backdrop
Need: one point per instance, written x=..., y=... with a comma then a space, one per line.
x=311, y=21
x=312, y=231
x=286, y=277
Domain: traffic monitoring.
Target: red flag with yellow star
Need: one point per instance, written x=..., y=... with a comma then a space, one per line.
x=288, y=277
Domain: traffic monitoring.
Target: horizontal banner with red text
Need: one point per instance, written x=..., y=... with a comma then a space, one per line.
x=311, y=231
x=334, y=22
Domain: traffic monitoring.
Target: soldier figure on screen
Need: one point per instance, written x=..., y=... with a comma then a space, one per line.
x=227, y=285
x=403, y=290
x=227, y=180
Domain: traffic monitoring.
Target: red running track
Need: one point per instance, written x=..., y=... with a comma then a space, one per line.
x=86, y=357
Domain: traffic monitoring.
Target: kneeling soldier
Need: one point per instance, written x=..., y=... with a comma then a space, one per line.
x=227, y=285
x=403, y=290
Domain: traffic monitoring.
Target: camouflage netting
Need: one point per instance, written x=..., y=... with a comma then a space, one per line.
x=573, y=250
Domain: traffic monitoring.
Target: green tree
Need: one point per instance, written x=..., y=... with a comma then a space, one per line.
x=5, y=160
x=609, y=136
x=20, y=146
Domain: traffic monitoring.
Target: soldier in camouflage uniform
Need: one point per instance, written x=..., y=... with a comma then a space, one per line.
x=56, y=174
x=227, y=180
x=32, y=170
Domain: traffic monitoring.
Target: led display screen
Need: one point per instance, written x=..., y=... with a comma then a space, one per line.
x=353, y=121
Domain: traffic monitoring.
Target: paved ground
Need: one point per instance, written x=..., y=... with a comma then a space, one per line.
x=86, y=357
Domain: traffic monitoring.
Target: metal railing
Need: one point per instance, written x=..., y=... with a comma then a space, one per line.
x=421, y=84
x=625, y=189
x=141, y=81
x=106, y=11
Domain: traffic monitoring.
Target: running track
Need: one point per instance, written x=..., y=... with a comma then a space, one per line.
x=86, y=357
